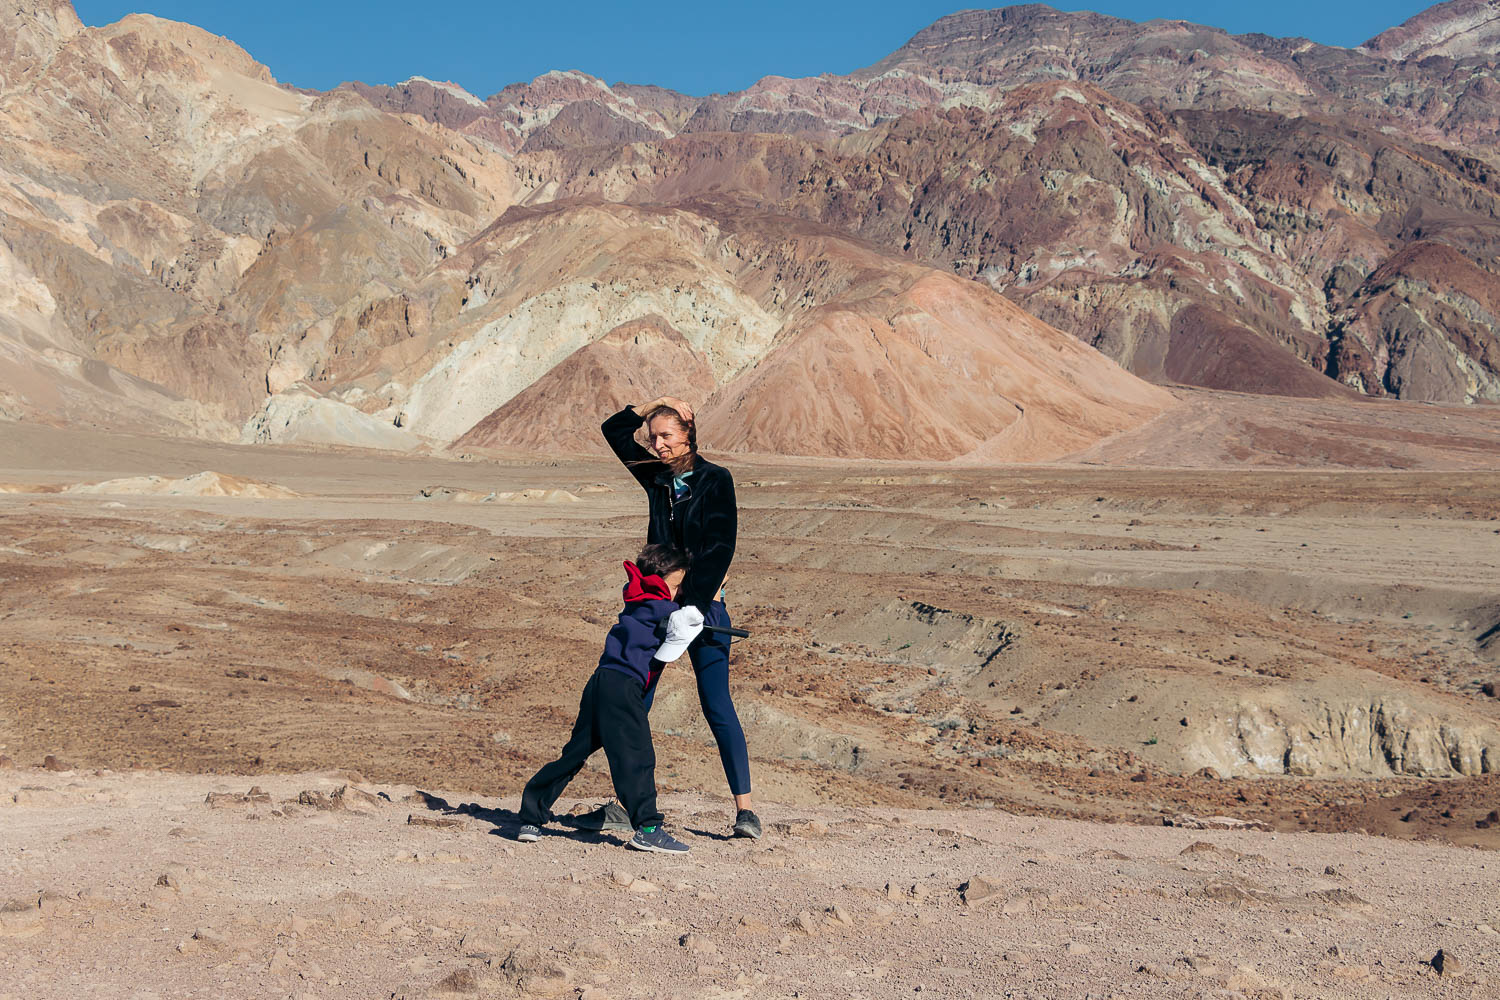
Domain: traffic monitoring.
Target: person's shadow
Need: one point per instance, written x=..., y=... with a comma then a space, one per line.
x=506, y=822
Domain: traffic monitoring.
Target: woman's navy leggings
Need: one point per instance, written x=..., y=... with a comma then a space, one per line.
x=710, y=656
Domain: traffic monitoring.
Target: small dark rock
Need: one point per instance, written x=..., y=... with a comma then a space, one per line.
x=1446, y=964
x=463, y=980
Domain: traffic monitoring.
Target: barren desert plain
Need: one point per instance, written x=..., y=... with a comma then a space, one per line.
x=1114, y=413
x=1062, y=730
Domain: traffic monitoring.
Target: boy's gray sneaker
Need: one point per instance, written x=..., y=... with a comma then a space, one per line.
x=608, y=818
x=528, y=833
x=747, y=824
x=656, y=838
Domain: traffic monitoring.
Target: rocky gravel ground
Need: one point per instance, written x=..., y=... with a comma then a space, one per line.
x=149, y=884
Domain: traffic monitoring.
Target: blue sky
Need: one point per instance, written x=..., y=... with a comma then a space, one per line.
x=689, y=46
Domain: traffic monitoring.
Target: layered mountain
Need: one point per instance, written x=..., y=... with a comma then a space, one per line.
x=1456, y=29
x=801, y=340
x=977, y=248
x=1197, y=205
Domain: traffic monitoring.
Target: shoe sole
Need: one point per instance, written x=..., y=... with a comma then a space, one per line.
x=528, y=838
x=654, y=850
x=745, y=834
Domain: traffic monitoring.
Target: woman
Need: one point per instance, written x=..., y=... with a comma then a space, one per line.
x=691, y=504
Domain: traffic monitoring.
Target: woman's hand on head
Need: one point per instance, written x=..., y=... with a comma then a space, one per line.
x=681, y=406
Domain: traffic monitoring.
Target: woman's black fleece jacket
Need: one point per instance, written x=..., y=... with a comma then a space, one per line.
x=703, y=523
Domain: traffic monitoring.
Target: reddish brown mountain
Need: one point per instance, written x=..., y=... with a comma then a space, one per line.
x=560, y=412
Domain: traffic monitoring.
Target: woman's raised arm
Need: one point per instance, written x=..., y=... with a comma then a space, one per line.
x=619, y=432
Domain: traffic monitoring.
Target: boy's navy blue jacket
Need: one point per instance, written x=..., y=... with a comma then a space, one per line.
x=634, y=639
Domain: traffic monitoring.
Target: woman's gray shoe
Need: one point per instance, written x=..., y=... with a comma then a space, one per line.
x=656, y=838
x=608, y=818
x=747, y=824
x=529, y=833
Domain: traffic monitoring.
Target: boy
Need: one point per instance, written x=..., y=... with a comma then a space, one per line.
x=612, y=712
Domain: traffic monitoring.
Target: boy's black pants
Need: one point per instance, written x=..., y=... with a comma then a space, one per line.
x=612, y=715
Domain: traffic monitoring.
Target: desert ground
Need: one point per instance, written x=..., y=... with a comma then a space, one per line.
x=1054, y=680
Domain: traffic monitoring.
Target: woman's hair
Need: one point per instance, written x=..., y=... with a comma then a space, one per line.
x=659, y=560
x=690, y=426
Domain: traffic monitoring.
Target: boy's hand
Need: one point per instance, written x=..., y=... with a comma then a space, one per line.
x=683, y=626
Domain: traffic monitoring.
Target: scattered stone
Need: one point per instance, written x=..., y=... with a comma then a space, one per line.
x=207, y=937
x=621, y=878
x=1354, y=972
x=51, y=763
x=1338, y=897
x=1078, y=948
x=437, y=822
x=1203, y=965
x=6, y=763
x=837, y=914
x=749, y=924
x=1208, y=773
x=1331, y=871
x=317, y=800
x=1026, y=901
x=1187, y=821
x=595, y=951
x=698, y=944
x=176, y=877
x=281, y=964
x=1204, y=847
x=642, y=887
x=1246, y=978
x=226, y=800
x=1231, y=892
x=34, y=795
x=464, y=980
x=536, y=971
x=1445, y=963
x=20, y=918
x=356, y=799
x=806, y=924
x=978, y=888
x=807, y=828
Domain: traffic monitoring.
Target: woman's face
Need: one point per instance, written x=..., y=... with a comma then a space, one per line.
x=669, y=439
